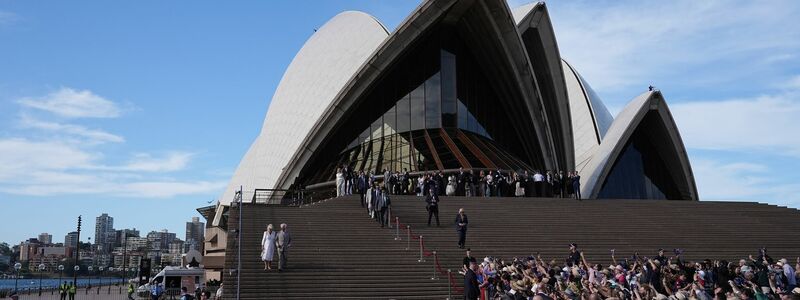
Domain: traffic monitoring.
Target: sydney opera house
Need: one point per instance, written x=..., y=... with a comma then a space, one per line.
x=457, y=84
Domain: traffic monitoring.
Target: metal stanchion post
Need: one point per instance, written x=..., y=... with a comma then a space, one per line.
x=397, y=229
x=449, y=285
x=389, y=218
x=421, y=258
x=408, y=244
x=434, y=265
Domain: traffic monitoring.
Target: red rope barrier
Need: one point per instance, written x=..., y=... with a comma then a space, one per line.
x=450, y=277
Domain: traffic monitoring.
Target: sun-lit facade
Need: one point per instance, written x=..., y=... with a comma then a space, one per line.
x=458, y=84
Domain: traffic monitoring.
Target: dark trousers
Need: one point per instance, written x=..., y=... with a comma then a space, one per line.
x=383, y=216
x=63, y=296
x=577, y=190
x=282, y=259
x=462, y=237
x=362, y=199
x=433, y=211
x=71, y=296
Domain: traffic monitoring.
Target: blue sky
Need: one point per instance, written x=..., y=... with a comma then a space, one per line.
x=143, y=110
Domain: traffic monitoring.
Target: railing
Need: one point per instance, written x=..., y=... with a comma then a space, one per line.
x=284, y=197
x=96, y=292
x=423, y=253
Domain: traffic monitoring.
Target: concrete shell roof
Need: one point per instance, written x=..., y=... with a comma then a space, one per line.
x=590, y=118
x=619, y=133
x=316, y=74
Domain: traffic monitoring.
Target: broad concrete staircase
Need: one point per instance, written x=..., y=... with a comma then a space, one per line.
x=339, y=252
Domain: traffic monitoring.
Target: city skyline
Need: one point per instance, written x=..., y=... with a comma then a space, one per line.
x=110, y=122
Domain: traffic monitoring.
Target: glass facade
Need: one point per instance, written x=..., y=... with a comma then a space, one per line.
x=640, y=171
x=435, y=110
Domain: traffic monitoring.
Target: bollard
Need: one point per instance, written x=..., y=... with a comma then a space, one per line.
x=449, y=284
x=397, y=229
x=421, y=258
x=435, y=258
x=408, y=244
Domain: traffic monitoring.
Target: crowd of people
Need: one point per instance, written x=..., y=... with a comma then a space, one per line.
x=483, y=183
x=638, y=277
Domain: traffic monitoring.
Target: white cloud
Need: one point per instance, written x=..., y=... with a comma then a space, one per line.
x=92, y=135
x=173, y=161
x=19, y=156
x=70, y=103
x=766, y=123
x=746, y=181
x=68, y=159
x=47, y=168
x=617, y=45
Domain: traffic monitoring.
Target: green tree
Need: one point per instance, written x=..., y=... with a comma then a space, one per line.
x=6, y=250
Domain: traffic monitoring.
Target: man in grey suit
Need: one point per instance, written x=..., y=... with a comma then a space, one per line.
x=284, y=242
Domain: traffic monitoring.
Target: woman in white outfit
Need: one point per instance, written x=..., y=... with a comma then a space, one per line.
x=268, y=247
x=451, y=186
x=339, y=182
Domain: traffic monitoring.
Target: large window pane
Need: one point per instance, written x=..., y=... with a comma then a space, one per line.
x=433, y=102
x=418, y=108
x=448, y=72
x=403, y=117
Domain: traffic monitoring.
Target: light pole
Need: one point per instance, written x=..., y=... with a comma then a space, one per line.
x=124, y=255
x=75, y=275
x=90, y=269
x=99, y=278
x=77, y=255
x=110, y=270
x=41, y=271
x=60, y=275
x=17, y=267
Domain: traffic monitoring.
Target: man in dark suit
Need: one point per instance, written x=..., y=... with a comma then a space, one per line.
x=461, y=226
x=384, y=202
x=461, y=182
x=433, y=206
x=471, y=289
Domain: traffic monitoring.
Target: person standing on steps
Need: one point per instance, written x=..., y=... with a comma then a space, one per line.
x=384, y=205
x=339, y=182
x=433, y=205
x=361, y=186
x=471, y=290
x=283, y=243
x=576, y=185
x=268, y=247
x=461, y=226
x=468, y=258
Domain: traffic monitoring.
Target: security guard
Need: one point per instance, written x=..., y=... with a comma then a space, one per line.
x=130, y=291
x=62, y=290
x=72, y=290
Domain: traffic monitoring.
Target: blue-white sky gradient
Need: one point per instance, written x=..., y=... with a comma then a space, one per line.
x=143, y=109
